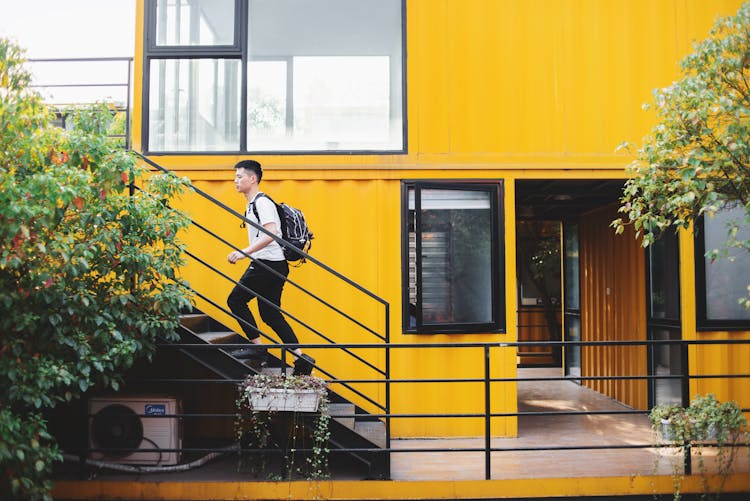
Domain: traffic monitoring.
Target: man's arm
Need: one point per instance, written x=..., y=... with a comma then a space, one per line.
x=262, y=241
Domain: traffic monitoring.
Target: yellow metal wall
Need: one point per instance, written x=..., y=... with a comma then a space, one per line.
x=496, y=89
x=711, y=359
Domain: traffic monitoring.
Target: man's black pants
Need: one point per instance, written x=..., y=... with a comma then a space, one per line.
x=258, y=281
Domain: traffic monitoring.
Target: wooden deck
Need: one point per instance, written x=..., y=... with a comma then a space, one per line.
x=551, y=431
x=447, y=474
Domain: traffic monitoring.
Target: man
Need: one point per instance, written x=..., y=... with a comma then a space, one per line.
x=258, y=280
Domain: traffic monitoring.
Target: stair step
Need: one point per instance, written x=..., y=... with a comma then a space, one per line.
x=374, y=431
x=343, y=413
x=275, y=371
x=192, y=320
x=216, y=337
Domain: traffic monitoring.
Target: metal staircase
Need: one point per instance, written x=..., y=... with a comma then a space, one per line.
x=352, y=429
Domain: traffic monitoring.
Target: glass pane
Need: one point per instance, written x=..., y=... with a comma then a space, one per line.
x=194, y=105
x=664, y=273
x=266, y=102
x=666, y=362
x=727, y=278
x=456, y=243
x=333, y=74
x=195, y=22
x=538, y=258
x=572, y=352
x=572, y=272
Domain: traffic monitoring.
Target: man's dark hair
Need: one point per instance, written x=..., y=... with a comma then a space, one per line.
x=251, y=165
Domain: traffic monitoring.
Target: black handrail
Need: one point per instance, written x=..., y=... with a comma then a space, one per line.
x=291, y=282
x=284, y=346
x=267, y=302
x=384, y=337
x=281, y=241
x=483, y=350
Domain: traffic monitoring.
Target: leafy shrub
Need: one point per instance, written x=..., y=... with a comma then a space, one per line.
x=88, y=270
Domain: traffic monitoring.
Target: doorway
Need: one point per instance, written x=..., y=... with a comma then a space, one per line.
x=548, y=213
x=603, y=284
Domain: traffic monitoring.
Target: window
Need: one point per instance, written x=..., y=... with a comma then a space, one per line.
x=723, y=281
x=193, y=106
x=274, y=76
x=663, y=322
x=663, y=261
x=452, y=257
x=195, y=22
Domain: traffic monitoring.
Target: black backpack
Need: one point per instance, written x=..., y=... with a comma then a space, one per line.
x=294, y=229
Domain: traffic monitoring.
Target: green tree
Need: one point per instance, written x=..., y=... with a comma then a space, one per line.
x=88, y=279
x=696, y=160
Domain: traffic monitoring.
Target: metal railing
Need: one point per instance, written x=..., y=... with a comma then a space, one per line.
x=326, y=340
x=68, y=83
x=486, y=359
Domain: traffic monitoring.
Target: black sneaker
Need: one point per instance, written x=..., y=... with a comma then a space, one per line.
x=303, y=366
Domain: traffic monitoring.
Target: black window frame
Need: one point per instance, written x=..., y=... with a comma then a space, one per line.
x=239, y=51
x=703, y=323
x=498, y=324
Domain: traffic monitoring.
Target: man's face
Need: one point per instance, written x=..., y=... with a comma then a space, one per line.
x=243, y=180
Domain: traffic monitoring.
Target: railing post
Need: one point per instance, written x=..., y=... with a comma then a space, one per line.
x=685, y=390
x=387, y=345
x=128, y=113
x=283, y=361
x=487, y=419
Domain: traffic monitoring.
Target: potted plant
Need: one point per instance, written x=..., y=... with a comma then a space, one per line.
x=714, y=420
x=286, y=413
x=721, y=424
x=706, y=422
x=671, y=422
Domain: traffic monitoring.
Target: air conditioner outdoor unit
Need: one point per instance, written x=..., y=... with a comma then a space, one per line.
x=135, y=422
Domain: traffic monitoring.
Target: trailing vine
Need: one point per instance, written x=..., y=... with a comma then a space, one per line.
x=254, y=427
x=688, y=430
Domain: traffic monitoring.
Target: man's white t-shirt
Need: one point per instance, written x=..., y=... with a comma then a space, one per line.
x=266, y=213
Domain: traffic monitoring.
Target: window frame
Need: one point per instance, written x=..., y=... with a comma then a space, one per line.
x=239, y=51
x=191, y=51
x=495, y=187
x=703, y=323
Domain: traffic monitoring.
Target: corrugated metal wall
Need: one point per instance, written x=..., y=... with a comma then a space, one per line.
x=496, y=89
x=613, y=307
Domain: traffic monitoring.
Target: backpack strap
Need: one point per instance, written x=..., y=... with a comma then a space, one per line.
x=255, y=209
x=279, y=211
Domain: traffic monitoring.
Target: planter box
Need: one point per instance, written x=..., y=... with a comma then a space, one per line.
x=274, y=399
x=668, y=433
